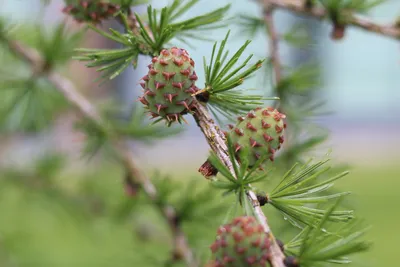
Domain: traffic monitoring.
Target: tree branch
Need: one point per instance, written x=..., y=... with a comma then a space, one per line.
x=298, y=6
x=68, y=90
x=217, y=142
x=273, y=42
x=273, y=37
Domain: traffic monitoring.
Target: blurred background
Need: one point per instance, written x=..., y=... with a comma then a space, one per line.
x=39, y=226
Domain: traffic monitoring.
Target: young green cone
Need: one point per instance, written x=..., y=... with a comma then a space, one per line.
x=169, y=85
x=91, y=11
x=261, y=131
x=241, y=243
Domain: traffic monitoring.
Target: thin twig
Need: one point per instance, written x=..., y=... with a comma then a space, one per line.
x=273, y=42
x=273, y=37
x=298, y=6
x=68, y=90
x=217, y=142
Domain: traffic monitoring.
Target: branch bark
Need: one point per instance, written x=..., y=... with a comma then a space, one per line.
x=217, y=142
x=68, y=90
x=298, y=6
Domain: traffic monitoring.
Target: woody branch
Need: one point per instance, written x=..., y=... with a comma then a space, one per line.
x=300, y=7
x=217, y=142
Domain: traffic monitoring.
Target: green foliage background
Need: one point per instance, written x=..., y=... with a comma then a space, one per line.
x=83, y=219
x=51, y=216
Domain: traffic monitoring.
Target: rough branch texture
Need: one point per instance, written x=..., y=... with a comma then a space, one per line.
x=67, y=88
x=298, y=6
x=216, y=140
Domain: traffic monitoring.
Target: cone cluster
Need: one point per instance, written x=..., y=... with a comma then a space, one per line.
x=169, y=85
x=261, y=131
x=91, y=11
x=241, y=243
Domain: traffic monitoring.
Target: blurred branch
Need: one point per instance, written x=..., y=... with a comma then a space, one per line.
x=273, y=37
x=68, y=90
x=216, y=140
x=273, y=41
x=299, y=6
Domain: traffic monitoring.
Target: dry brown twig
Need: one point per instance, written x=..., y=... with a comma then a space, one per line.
x=68, y=90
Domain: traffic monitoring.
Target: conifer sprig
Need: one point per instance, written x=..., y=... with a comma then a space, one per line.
x=197, y=203
x=29, y=102
x=239, y=182
x=58, y=47
x=195, y=27
x=137, y=127
x=250, y=24
x=162, y=27
x=112, y=62
x=301, y=189
x=341, y=12
x=337, y=9
x=96, y=138
x=316, y=246
x=155, y=32
x=28, y=105
x=298, y=148
x=222, y=75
